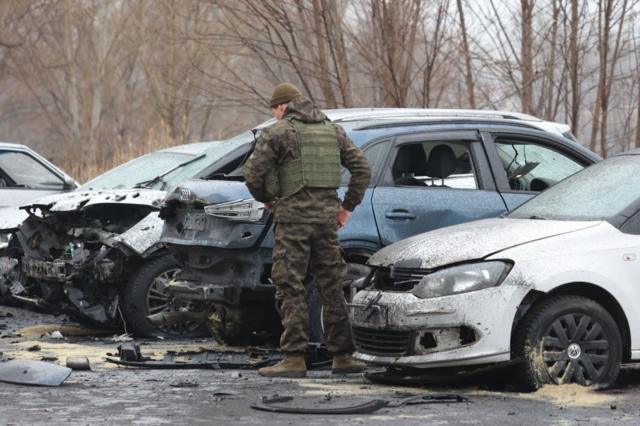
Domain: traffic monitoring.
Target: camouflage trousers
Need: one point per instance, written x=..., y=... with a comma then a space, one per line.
x=310, y=247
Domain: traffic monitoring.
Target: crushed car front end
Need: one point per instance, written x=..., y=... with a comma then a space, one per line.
x=74, y=250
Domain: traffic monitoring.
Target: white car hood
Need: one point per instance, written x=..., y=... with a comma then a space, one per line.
x=470, y=241
x=81, y=199
x=12, y=217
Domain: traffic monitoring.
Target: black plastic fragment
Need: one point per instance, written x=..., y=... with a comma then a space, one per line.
x=277, y=404
x=272, y=406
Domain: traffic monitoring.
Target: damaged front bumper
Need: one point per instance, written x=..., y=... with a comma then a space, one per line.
x=399, y=329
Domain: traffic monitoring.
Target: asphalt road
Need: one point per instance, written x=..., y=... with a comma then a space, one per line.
x=115, y=395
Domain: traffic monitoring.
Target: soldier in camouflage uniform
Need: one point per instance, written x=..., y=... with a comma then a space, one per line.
x=295, y=169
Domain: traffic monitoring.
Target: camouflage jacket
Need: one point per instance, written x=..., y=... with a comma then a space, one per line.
x=277, y=143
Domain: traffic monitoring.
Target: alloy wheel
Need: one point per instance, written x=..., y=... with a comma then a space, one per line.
x=159, y=301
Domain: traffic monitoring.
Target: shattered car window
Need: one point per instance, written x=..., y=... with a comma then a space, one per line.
x=22, y=171
x=597, y=193
x=149, y=166
x=533, y=167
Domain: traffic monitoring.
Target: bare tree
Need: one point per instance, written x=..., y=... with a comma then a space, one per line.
x=467, y=56
x=610, y=12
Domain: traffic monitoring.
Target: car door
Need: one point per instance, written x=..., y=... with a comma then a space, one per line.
x=526, y=164
x=432, y=180
x=361, y=230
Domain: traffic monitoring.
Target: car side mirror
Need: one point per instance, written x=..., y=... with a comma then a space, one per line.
x=69, y=184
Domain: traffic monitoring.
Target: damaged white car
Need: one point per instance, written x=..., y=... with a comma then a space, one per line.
x=95, y=253
x=552, y=286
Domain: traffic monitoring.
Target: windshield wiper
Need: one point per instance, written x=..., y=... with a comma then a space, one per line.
x=150, y=182
x=537, y=217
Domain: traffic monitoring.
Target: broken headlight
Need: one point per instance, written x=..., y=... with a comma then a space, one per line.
x=241, y=210
x=462, y=279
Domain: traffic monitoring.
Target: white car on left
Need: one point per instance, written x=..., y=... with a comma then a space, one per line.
x=24, y=176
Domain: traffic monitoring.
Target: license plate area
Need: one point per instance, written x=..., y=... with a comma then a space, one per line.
x=369, y=315
x=195, y=222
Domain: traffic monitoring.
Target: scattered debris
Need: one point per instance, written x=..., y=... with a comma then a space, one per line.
x=184, y=384
x=336, y=405
x=34, y=348
x=122, y=338
x=33, y=373
x=226, y=393
x=130, y=352
x=56, y=335
x=129, y=355
x=79, y=363
x=50, y=358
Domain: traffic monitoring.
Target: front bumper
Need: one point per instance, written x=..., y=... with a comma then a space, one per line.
x=399, y=329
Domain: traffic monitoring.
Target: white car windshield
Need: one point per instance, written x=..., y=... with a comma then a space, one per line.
x=599, y=192
x=146, y=171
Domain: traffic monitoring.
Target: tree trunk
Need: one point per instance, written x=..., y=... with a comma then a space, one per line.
x=527, y=55
x=467, y=58
x=574, y=116
x=324, y=80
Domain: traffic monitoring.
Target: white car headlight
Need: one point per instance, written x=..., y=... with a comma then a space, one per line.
x=462, y=279
x=241, y=210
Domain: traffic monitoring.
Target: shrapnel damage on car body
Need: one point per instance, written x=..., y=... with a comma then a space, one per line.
x=396, y=325
x=72, y=246
x=226, y=258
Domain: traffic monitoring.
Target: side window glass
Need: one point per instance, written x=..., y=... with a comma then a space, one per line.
x=375, y=154
x=443, y=164
x=533, y=167
x=19, y=170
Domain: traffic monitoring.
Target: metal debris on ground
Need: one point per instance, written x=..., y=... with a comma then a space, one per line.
x=129, y=355
x=56, y=335
x=79, y=363
x=33, y=373
x=339, y=405
x=121, y=338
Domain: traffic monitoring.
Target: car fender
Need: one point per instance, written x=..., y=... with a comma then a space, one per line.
x=144, y=237
x=600, y=256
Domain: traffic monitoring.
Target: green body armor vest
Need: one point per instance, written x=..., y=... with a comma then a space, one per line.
x=318, y=162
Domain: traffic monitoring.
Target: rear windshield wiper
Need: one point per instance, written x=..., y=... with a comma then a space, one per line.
x=150, y=182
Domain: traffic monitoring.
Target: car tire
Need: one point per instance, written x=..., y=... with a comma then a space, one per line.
x=568, y=339
x=140, y=291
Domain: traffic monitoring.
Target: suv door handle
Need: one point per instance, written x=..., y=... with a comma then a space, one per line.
x=400, y=214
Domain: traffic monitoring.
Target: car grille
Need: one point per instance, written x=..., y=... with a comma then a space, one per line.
x=399, y=279
x=382, y=342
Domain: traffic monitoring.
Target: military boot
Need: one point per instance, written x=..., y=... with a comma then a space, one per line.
x=345, y=364
x=290, y=366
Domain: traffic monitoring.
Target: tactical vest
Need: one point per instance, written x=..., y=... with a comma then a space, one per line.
x=318, y=159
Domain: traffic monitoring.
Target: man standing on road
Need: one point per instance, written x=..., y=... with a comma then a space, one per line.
x=303, y=151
